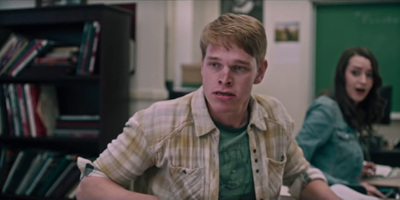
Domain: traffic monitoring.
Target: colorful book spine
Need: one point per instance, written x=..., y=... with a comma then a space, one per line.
x=23, y=111
x=29, y=108
x=97, y=27
x=34, y=92
x=8, y=109
x=83, y=48
x=28, y=57
x=15, y=57
x=15, y=110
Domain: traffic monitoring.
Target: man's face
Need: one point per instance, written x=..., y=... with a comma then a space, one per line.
x=228, y=78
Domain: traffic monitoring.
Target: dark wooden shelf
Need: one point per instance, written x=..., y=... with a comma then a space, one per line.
x=50, y=74
x=105, y=93
x=83, y=146
x=57, y=14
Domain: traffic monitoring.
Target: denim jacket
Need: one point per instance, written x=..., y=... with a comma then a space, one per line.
x=330, y=144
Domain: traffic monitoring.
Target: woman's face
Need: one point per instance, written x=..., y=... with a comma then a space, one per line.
x=359, y=78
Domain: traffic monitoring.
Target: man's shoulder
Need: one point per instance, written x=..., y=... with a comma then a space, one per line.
x=269, y=102
x=169, y=108
x=273, y=109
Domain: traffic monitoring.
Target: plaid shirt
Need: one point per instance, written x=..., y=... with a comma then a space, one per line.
x=170, y=150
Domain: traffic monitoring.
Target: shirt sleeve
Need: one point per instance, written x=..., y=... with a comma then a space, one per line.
x=124, y=159
x=298, y=172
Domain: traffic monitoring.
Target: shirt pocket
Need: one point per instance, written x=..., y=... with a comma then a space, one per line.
x=346, y=144
x=186, y=183
x=275, y=175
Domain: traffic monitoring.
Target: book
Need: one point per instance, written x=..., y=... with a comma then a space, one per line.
x=76, y=133
x=60, y=179
x=38, y=129
x=55, y=61
x=47, y=107
x=61, y=166
x=16, y=118
x=4, y=117
x=7, y=158
x=62, y=51
x=30, y=54
x=47, y=167
x=31, y=173
x=93, y=51
x=16, y=57
x=18, y=170
x=79, y=117
x=12, y=45
x=23, y=110
x=66, y=183
x=88, y=49
x=8, y=110
x=83, y=49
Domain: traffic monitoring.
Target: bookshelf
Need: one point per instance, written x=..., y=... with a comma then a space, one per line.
x=104, y=93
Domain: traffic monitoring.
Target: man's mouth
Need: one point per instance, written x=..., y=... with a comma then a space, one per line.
x=224, y=94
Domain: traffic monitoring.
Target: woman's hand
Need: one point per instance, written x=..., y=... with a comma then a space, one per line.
x=369, y=169
x=372, y=191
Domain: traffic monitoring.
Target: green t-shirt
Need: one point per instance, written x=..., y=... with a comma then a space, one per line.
x=236, y=178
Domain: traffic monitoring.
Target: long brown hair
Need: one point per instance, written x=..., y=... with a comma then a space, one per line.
x=370, y=110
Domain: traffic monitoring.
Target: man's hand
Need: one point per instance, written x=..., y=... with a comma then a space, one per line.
x=318, y=189
x=99, y=188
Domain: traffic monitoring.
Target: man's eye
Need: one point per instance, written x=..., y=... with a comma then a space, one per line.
x=238, y=68
x=215, y=65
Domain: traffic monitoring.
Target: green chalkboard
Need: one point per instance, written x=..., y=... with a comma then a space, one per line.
x=375, y=26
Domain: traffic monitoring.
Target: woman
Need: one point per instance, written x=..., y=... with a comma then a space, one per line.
x=337, y=120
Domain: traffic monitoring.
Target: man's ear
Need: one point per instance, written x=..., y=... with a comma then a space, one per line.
x=261, y=72
x=201, y=66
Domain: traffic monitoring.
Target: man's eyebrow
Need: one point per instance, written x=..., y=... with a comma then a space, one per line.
x=243, y=62
x=212, y=58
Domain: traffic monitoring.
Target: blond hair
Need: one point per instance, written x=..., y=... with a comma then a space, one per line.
x=244, y=31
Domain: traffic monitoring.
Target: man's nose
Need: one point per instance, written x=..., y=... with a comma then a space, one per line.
x=225, y=76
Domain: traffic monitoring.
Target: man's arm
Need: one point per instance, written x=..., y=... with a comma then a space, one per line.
x=99, y=188
x=318, y=189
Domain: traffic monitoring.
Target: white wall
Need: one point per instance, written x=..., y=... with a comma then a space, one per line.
x=289, y=80
x=147, y=85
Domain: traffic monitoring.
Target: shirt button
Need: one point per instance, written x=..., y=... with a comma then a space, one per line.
x=256, y=160
x=257, y=170
x=254, y=151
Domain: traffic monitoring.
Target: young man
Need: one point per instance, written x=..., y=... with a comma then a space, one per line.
x=219, y=142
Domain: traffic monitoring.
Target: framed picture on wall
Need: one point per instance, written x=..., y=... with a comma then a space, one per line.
x=253, y=8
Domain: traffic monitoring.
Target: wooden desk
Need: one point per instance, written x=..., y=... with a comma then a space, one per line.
x=391, y=182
